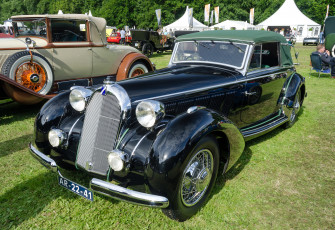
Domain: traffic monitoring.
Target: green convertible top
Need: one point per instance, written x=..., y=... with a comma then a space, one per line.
x=254, y=36
x=246, y=36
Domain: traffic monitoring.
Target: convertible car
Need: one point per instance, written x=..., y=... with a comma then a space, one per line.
x=157, y=139
x=51, y=53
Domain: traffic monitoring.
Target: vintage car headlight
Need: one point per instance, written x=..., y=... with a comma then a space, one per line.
x=117, y=159
x=56, y=137
x=149, y=112
x=79, y=97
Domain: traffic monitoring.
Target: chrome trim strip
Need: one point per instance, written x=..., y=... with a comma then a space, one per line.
x=106, y=188
x=277, y=123
x=70, y=132
x=208, y=88
x=138, y=143
x=121, y=193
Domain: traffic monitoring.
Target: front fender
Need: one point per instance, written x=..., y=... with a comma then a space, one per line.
x=19, y=93
x=172, y=146
x=295, y=83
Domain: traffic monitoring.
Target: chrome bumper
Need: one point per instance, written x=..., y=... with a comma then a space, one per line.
x=106, y=188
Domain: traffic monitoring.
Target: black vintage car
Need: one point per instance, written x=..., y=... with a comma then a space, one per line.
x=151, y=41
x=161, y=136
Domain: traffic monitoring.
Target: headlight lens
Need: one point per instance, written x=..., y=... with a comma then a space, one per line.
x=149, y=112
x=115, y=160
x=56, y=137
x=79, y=97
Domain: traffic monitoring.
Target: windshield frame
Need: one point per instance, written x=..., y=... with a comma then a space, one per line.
x=172, y=62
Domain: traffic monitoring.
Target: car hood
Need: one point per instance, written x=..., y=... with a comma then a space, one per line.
x=174, y=82
x=19, y=43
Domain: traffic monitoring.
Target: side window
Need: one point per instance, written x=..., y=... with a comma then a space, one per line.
x=265, y=56
x=256, y=58
x=68, y=30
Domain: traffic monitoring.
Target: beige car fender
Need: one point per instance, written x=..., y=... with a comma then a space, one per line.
x=128, y=61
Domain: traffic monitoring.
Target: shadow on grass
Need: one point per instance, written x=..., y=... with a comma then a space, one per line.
x=161, y=54
x=29, y=198
x=14, y=145
x=12, y=112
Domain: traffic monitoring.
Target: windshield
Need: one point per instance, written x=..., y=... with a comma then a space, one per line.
x=30, y=28
x=225, y=53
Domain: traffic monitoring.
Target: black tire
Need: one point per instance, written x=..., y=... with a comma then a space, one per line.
x=14, y=62
x=147, y=49
x=298, y=100
x=138, y=67
x=183, y=205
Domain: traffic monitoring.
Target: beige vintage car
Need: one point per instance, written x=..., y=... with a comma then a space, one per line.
x=51, y=53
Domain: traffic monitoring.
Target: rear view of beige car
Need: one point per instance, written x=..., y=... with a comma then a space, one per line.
x=51, y=53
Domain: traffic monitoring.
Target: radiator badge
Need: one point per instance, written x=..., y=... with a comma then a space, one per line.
x=103, y=91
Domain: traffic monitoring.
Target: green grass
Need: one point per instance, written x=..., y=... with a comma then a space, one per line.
x=283, y=180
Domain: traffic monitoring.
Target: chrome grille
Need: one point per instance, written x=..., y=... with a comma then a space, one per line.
x=99, y=134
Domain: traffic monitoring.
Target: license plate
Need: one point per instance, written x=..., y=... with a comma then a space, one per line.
x=76, y=188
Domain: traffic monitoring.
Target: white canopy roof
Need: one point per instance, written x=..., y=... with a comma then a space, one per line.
x=288, y=15
x=239, y=25
x=182, y=24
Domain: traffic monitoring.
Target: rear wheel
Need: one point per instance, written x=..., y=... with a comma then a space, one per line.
x=136, y=69
x=196, y=182
x=147, y=49
x=36, y=75
x=295, y=110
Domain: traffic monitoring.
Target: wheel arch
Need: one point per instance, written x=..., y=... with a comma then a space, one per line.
x=171, y=148
x=127, y=62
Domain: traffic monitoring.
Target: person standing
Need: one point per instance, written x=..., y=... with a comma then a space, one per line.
x=123, y=36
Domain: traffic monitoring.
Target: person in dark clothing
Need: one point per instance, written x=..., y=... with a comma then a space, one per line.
x=327, y=60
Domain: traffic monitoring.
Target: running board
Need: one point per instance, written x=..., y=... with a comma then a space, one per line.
x=257, y=131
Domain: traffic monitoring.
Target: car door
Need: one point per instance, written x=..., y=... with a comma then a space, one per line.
x=264, y=83
x=71, y=49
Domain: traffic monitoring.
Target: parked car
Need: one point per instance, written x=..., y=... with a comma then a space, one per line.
x=162, y=135
x=116, y=38
x=329, y=34
x=151, y=41
x=310, y=41
x=51, y=53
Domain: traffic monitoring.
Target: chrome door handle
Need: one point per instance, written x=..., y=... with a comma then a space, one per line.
x=246, y=93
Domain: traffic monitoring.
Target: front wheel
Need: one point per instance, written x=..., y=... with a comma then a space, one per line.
x=35, y=75
x=198, y=177
x=136, y=69
x=147, y=49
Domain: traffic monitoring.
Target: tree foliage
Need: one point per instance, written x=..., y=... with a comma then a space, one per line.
x=142, y=13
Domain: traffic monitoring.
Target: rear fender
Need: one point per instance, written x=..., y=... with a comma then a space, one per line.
x=173, y=145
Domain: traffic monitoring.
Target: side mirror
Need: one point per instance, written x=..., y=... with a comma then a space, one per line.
x=296, y=55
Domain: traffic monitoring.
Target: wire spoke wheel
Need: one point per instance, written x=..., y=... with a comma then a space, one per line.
x=31, y=75
x=196, y=177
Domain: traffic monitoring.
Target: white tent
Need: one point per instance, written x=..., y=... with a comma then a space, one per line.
x=182, y=24
x=238, y=25
x=289, y=15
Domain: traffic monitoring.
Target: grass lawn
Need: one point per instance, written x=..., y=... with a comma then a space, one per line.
x=283, y=180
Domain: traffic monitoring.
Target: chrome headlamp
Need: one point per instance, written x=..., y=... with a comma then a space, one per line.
x=56, y=137
x=79, y=97
x=149, y=112
x=117, y=160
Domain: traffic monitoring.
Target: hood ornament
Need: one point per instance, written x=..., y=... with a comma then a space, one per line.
x=107, y=82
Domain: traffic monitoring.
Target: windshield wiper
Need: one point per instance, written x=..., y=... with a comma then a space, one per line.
x=239, y=48
x=201, y=44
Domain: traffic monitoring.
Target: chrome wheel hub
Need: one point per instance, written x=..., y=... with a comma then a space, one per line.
x=34, y=78
x=196, y=177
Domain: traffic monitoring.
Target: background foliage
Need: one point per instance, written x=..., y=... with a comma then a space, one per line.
x=142, y=13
